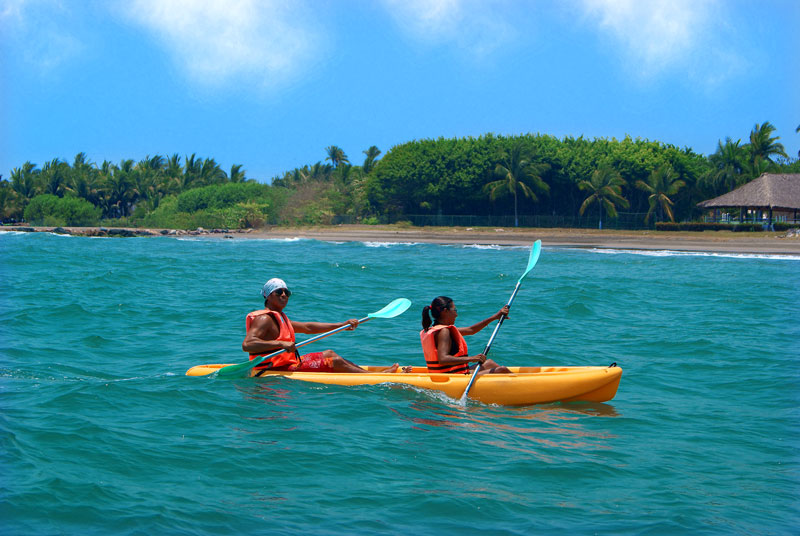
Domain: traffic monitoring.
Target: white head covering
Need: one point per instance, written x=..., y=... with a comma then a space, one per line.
x=272, y=285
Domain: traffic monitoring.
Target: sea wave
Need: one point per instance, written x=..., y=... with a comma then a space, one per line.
x=491, y=246
x=673, y=253
x=390, y=244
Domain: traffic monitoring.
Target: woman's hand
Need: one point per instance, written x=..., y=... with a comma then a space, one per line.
x=501, y=313
x=353, y=324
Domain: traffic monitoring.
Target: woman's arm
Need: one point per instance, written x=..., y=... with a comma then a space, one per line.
x=443, y=344
x=475, y=328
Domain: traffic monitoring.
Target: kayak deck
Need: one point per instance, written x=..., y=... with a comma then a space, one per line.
x=524, y=386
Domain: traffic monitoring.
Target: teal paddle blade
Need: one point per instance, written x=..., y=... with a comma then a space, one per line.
x=393, y=309
x=242, y=370
x=536, y=250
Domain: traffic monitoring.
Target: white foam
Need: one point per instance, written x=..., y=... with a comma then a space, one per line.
x=671, y=253
x=389, y=244
x=492, y=246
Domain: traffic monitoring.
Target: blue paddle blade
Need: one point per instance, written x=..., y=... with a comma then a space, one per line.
x=536, y=250
x=393, y=309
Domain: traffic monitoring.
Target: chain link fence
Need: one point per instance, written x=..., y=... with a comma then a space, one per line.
x=625, y=220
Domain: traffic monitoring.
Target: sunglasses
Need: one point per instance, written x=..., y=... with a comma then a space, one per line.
x=282, y=291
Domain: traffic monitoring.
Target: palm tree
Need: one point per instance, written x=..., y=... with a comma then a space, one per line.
x=192, y=167
x=605, y=186
x=173, y=175
x=369, y=162
x=336, y=155
x=516, y=171
x=84, y=180
x=320, y=172
x=237, y=174
x=662, y=183
x=54, y=174
x=796, y=131
x=119, y=188
x=729, y=164
x=80, y=165
x=24, y=181
x=763, y=146
x=7, y=206
x=345, y=175
x=211, y=173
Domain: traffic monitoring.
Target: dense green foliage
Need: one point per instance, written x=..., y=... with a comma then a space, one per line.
x=48, y=209
x=219, y=206
x=489, y=177
x=449, y=175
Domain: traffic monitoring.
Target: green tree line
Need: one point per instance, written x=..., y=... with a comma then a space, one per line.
x=534, y=174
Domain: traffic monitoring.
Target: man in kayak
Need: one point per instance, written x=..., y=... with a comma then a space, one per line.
x=270, y=330
x=443, y=343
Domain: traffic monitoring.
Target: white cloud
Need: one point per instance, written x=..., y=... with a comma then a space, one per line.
x=656, y=36
x=261, y=42
x=473, y=25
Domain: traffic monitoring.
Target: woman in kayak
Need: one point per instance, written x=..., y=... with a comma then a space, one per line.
x=269, y=330
x=443, y=343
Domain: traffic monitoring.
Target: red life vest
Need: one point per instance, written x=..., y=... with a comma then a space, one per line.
x=428, y=339
x=286, y=334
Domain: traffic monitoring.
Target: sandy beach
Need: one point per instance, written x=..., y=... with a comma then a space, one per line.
x=709, y=241
x=768, y=243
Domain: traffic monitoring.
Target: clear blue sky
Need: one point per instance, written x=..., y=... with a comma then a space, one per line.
x=269, y=84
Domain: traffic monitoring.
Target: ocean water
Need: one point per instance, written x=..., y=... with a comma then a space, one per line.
x=102, y=433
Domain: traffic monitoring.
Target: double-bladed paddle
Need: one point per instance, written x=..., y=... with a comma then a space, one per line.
x=391, y=310
x=535, y=251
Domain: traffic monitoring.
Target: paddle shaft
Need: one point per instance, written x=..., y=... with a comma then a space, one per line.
x=536, y=249
x=261, y=359
x=491, y=339
x=391, y=310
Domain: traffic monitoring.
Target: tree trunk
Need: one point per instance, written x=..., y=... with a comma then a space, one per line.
x=600, y=215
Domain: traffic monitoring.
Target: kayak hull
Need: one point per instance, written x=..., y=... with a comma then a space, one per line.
x=524, y=386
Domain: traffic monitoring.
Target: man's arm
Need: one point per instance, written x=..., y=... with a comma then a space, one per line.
x=260, y=338
x=321, y=327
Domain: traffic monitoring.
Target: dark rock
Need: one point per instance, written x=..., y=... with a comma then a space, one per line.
x=121, y=232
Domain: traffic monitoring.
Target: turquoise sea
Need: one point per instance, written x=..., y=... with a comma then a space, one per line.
x=102, y=433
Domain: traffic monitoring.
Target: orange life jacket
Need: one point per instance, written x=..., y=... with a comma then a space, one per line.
x=286, y=334
x=428, y=339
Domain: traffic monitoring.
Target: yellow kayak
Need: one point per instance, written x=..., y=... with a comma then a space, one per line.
x=524, y=386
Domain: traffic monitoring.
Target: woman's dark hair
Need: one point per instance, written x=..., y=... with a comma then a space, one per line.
x=430, y=313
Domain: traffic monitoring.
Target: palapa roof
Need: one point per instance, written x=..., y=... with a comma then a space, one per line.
x=780, y=191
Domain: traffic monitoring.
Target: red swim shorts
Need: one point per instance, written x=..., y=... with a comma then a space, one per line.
x=314, y=362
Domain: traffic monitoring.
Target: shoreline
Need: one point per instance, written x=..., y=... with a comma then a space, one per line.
x=768, y=243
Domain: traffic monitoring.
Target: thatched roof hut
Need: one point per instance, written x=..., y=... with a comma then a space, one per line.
x=767, y=192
